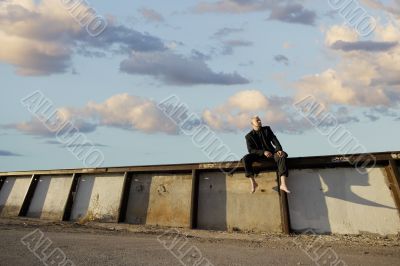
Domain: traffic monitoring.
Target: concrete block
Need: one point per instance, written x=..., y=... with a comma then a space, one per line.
x=342, y=200
x=50, y=197
x=98, y=197
x=225, y=203
x=160, y=199
x=12, y=195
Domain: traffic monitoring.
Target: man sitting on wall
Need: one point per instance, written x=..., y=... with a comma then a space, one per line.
x=259, y=146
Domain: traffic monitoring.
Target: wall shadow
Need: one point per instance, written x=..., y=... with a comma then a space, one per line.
x=339, y=187
x=39, y=197
x=307, y=203
x=82, y=198
x=139, y=196
x=311, y=188
x=212, y=200
x=5, y=194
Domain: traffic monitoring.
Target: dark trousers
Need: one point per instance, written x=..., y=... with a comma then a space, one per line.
x=248, y=160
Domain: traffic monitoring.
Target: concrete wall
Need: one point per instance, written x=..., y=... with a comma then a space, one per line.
x=342, y=200
x=327, y=200
x=98, y=197
x=160, y=199
x=50, y=196
x=225, y=202
x=12, y=195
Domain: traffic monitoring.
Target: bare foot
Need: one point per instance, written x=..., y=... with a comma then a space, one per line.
x=254, y=186
x=284, y=188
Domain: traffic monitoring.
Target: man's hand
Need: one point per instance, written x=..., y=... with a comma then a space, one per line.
x=281, y=153
x=268, y=154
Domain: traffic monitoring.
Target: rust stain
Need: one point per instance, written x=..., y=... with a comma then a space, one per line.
x=9, y=211
x=395, y=155
x=96, y=214
x=207, y=165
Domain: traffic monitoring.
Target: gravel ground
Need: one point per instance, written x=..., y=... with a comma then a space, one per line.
x=122, y=244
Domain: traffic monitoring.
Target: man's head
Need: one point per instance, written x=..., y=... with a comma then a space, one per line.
x=256, y=122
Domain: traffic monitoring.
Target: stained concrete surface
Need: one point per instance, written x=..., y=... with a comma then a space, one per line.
x=98, y=197
x=342, y=200
x=336, y=200
x=225, y=202
x=93, y=244
x=13, y=194
x=163, y=199
x=50, y=197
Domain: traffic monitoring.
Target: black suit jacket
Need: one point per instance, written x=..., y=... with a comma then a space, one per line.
x=254, y=145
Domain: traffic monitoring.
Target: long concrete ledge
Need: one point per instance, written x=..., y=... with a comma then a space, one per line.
x=346, y=194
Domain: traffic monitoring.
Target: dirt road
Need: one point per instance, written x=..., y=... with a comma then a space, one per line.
x=24, y=242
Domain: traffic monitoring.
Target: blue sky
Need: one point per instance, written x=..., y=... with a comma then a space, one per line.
x=227, y=60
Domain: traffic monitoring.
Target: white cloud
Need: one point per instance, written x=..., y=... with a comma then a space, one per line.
x=367, y=73
x=392, y=7
x=130, y=112
x=236, y=113
x=340, y=33
x=136, y=113
x=120, y=111
x=327, y=87
x=248, y=100
x=151, y=15
x=39, y=38
x=27, y=40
